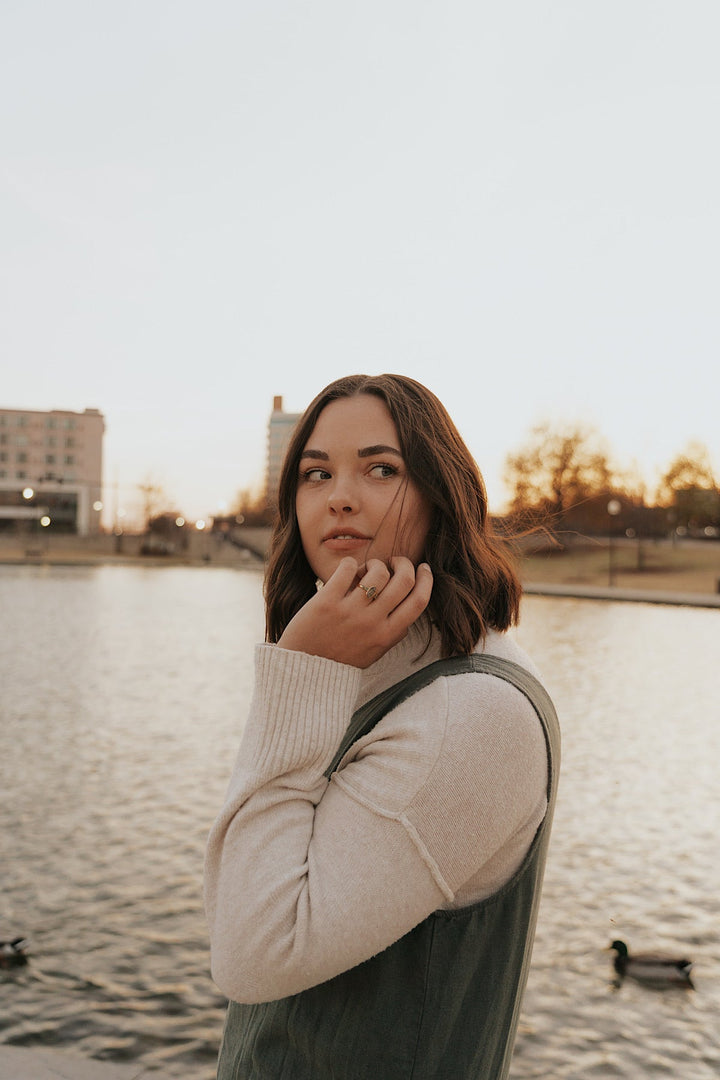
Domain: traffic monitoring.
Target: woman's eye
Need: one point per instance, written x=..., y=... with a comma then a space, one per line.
x=383, y=471
x=315, y=475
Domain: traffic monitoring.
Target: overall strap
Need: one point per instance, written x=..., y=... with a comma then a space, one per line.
x=368, y=715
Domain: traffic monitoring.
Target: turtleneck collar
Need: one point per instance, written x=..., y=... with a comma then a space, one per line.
x=411, y=655
x=403, y=659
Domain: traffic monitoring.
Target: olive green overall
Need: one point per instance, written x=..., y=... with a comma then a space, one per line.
x=443, y=1002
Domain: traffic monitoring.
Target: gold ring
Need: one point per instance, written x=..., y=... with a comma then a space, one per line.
x=369, y=590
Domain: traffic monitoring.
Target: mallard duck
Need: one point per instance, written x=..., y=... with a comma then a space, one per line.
x=13, y=953
x=651, y=967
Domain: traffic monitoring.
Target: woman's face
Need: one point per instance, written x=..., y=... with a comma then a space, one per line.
x=354, y=495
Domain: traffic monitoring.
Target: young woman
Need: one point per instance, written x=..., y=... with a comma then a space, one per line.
x=372, y=881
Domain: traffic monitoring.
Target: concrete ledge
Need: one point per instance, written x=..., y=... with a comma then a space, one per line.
x=608, y=592
x=21, y=1063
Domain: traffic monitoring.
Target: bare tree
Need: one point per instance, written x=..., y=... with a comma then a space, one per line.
x=557, y=468
x=153, y=496
x=690, y=470
x=689, y=488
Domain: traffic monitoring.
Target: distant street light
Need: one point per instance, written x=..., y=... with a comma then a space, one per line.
x=46, y=521
x=201, y=527
x=28, y=492
x=613, y=508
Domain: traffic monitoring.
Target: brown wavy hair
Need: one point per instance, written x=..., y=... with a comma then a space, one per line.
x=475, y=583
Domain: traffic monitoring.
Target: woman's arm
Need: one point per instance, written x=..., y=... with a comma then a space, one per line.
x=305, y=878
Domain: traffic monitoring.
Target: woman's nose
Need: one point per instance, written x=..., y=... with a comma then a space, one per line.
x=343, y=499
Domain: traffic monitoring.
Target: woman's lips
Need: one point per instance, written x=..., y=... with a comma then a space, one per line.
x=345, y=542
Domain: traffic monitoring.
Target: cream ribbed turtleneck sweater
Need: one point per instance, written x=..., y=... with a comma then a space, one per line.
x=436, y=807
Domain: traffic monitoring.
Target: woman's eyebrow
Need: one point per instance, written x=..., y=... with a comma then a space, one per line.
x=371, y=451
x=363, y=452
x=316, y=455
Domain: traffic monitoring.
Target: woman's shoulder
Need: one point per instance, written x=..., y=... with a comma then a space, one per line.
x=492, y=705
x=454, y=717
x=505, y=646
x=458, y=734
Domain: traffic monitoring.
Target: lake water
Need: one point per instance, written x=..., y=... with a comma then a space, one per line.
x=122, y=696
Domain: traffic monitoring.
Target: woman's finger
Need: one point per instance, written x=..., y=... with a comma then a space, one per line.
x=401, y=582
x=374, y=579
x=343, y=577
x=414, y=600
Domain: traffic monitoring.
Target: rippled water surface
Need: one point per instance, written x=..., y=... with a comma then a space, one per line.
x=122, y=695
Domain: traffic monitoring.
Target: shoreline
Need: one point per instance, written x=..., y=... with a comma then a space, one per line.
x=686, y=574
x=626, y=595
x=652, y=571
x=564, y=590
x=200, y=550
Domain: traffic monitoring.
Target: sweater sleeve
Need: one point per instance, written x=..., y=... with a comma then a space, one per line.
x=305, y=878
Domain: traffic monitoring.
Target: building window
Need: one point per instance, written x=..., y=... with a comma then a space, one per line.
x=21, y=421
x=20, y=474
x=49, y=459
x=51, y=441
x=21, y=458
x=70, y=424
x=69, y=459
x=69, y=442
x=51, y=422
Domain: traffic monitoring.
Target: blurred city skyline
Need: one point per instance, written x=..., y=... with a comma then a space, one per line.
x=128, y=507
x=205, y=208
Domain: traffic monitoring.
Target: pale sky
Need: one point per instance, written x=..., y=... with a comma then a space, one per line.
x=203, y=205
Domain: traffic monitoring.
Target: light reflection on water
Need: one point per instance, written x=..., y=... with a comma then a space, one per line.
x=123, y=694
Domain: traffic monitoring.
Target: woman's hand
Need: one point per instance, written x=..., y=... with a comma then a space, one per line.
x=348, y=622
